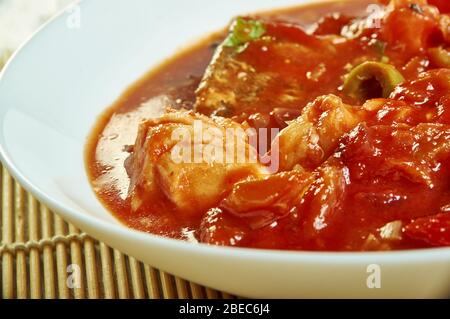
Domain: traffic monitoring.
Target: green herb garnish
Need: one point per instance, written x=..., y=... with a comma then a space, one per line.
x=243, y=32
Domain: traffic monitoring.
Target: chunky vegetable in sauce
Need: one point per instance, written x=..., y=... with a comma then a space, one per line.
x=353, y=111
x=371, y=80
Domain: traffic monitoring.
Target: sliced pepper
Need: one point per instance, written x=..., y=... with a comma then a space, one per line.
x=244, y=31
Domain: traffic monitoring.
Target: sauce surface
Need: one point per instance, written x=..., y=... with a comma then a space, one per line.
x=370, y=202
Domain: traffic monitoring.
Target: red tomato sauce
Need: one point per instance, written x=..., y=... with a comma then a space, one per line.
x=384, y=186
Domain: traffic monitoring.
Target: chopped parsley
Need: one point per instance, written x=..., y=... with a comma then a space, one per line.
x=243, y=32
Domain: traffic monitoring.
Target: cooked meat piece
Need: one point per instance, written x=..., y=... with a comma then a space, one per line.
x=323, y=201
x=310, y=139
x=264, y=65
x=396, y=27
x=190, y=160
x=253, y=205
x=261, y=202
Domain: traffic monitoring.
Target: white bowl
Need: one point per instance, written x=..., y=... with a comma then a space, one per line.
x=64, y=77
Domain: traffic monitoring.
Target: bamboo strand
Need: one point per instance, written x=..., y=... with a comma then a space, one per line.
x=7, y=235
x=136, y=279
x=167, y=285
x=91, y=269
x=121, y=275
x=35, y=268
x=152, y=281
x=197, y=291
x=61, y=259
x=49, y=267
x=182, y=290
x=21, y=261
x=107, y=271
x=227, y=296
x=211, y=293
x=77, y=261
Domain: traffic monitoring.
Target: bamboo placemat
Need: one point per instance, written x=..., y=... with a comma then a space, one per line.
x=37, y=247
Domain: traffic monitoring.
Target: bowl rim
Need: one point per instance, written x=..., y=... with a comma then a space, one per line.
x=118, y=230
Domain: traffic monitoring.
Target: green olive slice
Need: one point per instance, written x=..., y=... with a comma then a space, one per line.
x=372, y=80
x=440, y=57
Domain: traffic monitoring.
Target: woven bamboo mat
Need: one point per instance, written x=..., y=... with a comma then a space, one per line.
x=37, y=247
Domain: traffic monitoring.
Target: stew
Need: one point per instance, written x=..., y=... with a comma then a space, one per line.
x=323, y=128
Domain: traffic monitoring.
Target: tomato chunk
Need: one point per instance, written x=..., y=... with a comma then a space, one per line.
x=434, y=230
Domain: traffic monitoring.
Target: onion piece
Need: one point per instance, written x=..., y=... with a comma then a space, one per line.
x=392, y=230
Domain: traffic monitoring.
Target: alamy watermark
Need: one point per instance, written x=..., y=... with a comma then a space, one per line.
x=374, y=279
x=74, y=279
x=376, y=15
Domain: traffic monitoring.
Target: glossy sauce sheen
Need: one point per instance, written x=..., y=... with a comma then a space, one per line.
x=174, y=83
